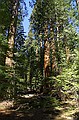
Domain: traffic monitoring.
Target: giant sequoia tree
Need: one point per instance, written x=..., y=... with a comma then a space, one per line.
x=48, y=27
x=54, y=24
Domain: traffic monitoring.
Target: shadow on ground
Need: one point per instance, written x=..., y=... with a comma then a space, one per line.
x=30, y=109
x=76, y=116
x=37, y=114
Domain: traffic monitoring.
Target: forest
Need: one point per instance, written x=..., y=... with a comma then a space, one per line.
x=39, y=73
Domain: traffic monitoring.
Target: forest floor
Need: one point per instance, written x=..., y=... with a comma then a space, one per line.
x=29, y=107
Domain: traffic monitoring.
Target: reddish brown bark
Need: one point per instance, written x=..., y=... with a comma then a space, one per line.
x=46, y=59
x=53, y=49
x=46, y=52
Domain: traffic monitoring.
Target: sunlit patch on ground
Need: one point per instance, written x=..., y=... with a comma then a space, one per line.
x=6, y=105
x=28, y=96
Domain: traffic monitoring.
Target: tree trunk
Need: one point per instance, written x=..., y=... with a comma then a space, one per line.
x=12, y=31
x=67, y=50
x=53, y=49
x=46, y=54
x=47, y=59
x=9, y=55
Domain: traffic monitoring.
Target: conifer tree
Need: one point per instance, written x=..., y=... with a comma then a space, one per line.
x=12, y=31
x=51, y=22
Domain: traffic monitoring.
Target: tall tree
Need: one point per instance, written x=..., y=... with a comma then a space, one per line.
x=52, y=33
x=12, y=31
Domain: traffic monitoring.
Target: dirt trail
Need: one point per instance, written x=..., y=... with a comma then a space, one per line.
x=67, y=111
